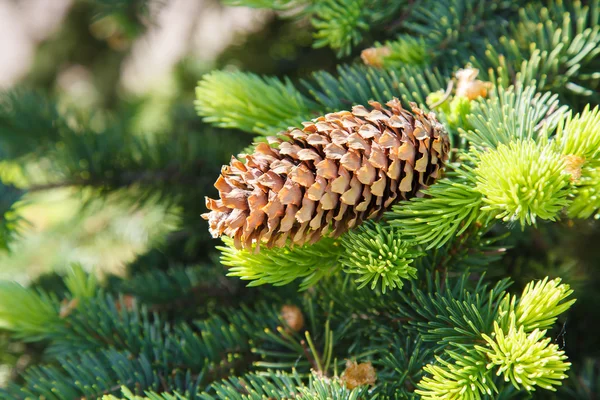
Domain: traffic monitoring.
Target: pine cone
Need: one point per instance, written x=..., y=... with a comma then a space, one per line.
x=337, y=171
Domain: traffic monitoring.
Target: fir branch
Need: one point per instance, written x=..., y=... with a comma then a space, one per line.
x=129, y=395
x=321, y=388
x=340, y=23
x=407, y=356
x=90, y=375
x=275, y=385
x=539, y=305
x=463, y=376
x=527, y=360
x=579, y=140
x=476, y=251
x=522, y=182
x=280, y=266
x=282, y=386
x=566, y=41
x=378, y=253
x=512, y=114
x=452, y=206
x=579, y=135
x=446, y=25
x=212, y=347
x=30, y=315
x=266, y=105
x=453, y=316
x=359, y=84
x=263, y=105
x=586, y=194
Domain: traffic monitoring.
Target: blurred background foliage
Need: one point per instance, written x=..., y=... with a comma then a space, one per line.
x=137, y=62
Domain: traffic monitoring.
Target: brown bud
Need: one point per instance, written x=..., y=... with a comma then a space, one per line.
x=573, y=166
x=468, y=86
x=358, y=374
x=292, y=315
x=67, y=307
x=374, y=56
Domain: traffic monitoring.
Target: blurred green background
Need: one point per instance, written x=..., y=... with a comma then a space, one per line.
x=137, y=62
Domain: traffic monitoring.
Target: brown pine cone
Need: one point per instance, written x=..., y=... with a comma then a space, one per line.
x=328, y=177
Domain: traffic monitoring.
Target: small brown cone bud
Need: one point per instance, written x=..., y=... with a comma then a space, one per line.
x=67, y=307
x=324, y=179
x=374, y=56
x=358, y=374
x=292, y=315
x=469, y=86
x=573, y=166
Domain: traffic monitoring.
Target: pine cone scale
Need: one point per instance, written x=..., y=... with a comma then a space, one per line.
x=337, y=171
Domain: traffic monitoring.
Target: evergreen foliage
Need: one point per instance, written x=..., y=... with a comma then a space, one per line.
x=459, y=291
x=375, y=252
x=521, y=182
x=310, y=262
x=265, y=105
